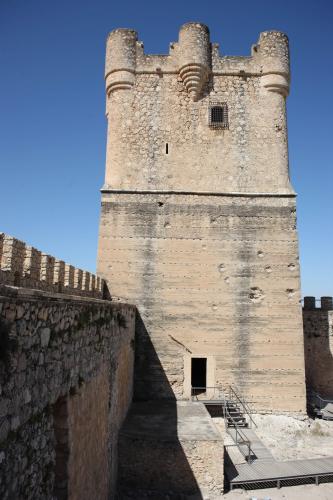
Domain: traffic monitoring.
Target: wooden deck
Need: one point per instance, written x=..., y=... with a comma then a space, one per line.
x=261, y=471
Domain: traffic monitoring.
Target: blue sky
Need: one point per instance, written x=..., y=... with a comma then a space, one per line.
x=53, y=129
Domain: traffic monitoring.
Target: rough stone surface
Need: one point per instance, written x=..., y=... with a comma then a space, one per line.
x=88, y=413
x=318, y=349
x=157, y=109
x=198, y=224
x=66, y=371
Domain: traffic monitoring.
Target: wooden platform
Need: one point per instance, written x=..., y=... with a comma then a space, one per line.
x=261, y=471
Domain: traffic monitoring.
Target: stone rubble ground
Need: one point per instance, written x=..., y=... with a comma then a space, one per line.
x=290, y=438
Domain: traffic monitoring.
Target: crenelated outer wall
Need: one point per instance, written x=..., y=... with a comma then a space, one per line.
x=66, y=373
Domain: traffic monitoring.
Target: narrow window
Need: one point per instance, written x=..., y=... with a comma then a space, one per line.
x=198, y=375
x=218, y=115
x=166, y=148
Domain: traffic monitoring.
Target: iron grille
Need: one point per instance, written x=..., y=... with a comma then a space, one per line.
x=218, y=115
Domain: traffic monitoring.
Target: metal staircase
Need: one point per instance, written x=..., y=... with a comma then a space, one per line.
x=234, y=416
x=239, y=408
x=236, y=412
x=261, y=469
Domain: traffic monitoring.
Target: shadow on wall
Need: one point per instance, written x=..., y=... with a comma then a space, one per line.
x=317, y=346
x=149, y=376
x=152, y=460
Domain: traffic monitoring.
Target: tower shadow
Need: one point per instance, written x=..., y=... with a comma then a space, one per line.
x=152, y=459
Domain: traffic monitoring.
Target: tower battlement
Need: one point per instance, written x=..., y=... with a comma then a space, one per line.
x=196, y=60
x=219, y=117
x=22, y=265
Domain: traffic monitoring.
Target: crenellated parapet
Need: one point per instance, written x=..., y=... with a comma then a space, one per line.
x=24, y=266
x=310, y=304
x=196, y=60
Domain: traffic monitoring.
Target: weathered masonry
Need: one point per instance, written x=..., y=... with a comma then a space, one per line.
x=66, y=379
x=318, y=345
x=198, y=222
x=22, y=265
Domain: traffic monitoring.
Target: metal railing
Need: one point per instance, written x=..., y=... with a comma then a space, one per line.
x=225, y=397
x=317, y=400
x=247, y=410
x=240, y=439
x=207, y=394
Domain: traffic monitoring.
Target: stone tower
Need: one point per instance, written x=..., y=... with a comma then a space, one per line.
x=198, y=223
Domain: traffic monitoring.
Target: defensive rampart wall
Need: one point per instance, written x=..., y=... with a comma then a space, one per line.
x=66, y=378
x=24, y=266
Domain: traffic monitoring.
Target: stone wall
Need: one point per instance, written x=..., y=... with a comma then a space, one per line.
x=66, y=372
x=198, y=224
x=24, y=266
x=156, y=102
x=318, y=345
x=212, y=277
x=88, y=419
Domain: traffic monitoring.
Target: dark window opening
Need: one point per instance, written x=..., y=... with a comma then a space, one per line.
x=166, y=148
x=218, y=116
x=198, y=375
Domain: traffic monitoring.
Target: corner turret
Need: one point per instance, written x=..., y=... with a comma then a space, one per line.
x=272, y=51
x=194, y=57
x=120, y=60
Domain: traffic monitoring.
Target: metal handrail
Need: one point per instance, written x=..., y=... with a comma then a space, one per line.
x=247, y=410
x=245, y=401
x=322, y=401
x=244, y=440
x=215, y=389
x=218, y=394
x=240, y=438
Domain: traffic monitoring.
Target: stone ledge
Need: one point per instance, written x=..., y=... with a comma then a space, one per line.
x=8, y=292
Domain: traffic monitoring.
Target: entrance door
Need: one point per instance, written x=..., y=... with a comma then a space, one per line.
x=198, y=375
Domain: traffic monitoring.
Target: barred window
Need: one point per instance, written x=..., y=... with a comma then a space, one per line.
x=218, y=115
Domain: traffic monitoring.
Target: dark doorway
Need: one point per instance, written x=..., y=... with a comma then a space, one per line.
x=198, y=375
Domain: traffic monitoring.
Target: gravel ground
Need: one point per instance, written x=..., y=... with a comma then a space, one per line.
x=291, y=438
